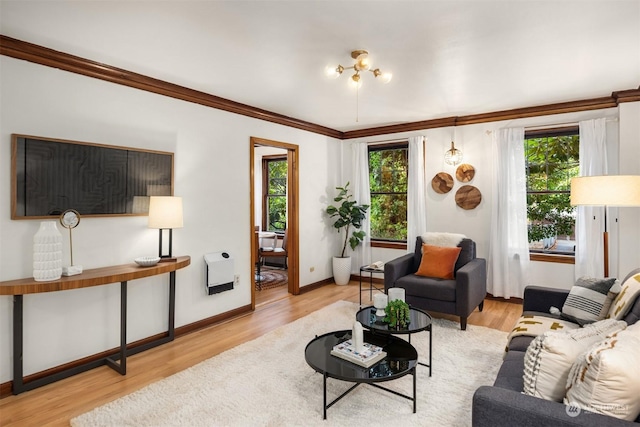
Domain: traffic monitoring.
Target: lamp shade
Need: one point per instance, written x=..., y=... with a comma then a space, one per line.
x=165, y=212
x=606, y=190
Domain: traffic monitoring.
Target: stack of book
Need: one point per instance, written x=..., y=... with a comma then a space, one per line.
x=370, y=355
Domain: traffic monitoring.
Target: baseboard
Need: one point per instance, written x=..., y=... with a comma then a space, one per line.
x=5, y=388
x=316, y=285
x=510, y=300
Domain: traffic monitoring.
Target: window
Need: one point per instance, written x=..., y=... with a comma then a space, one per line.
x=274, y=193
x=552, y=159
x=388, y=166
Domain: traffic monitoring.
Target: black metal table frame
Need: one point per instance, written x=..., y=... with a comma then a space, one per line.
x=371, y=287
x=326, y=406
x=429, y=328
x=20, y=386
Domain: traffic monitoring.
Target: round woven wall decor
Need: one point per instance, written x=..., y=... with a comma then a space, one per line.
x=468, y=197
x=465, y=172
x=442, y=183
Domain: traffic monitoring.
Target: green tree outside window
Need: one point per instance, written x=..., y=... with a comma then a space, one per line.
x=388, y=185
x=276, y=195
x=551, y=161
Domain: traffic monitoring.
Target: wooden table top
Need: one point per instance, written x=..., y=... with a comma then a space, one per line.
x=91, y=277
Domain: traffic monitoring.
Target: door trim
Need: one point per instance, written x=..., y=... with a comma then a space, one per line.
x=292, y=213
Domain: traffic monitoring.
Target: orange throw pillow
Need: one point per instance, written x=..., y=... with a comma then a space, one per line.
x=438, y=261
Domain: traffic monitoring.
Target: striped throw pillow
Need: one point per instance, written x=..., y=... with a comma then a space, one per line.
x=589, y=300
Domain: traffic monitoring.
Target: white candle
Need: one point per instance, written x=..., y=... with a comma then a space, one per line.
x=396, y=293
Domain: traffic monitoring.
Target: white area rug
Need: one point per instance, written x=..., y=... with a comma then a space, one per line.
x=266, y=382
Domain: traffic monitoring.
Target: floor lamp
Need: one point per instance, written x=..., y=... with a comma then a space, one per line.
x=165, y=213
x=606, y=191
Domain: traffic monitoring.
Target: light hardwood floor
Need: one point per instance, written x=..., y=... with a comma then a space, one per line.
x=55, y=404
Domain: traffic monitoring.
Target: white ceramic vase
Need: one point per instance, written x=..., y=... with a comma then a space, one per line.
x=47, y=252
x=341, y=270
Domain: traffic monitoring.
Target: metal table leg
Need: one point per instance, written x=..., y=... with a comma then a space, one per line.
x=17, y=344
x=324, y=396
x=121, y=367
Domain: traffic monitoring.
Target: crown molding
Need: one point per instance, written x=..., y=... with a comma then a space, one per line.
x=495, y=116
x=52, y=58
x=630, y=95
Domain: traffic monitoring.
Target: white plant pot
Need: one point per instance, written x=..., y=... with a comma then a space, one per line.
x=341, y=270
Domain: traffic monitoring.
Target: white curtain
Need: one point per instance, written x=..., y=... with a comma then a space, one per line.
x=590, y=219
x=416, y=198
x=509, y=244
x=362, y=195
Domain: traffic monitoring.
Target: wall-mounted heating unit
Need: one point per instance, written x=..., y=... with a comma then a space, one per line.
x=218, y=272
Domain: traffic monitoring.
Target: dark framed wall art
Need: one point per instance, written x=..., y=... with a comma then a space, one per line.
x=49, y=176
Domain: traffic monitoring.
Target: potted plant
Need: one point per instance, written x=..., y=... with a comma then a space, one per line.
x=397, y=314
x=346, y=215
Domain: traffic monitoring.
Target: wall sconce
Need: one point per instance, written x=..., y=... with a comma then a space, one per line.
x=165, y=213
x=453, y=156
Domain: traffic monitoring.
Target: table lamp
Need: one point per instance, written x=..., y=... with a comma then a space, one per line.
x=606, y=191
x=165, y=213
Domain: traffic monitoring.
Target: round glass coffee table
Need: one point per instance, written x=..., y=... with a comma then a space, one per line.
x=419, y=321
x=401, y=360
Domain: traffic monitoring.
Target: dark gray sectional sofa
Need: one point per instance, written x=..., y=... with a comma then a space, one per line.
x=503, y=404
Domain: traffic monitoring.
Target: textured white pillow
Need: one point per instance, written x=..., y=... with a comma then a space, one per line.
x=549, y=357
x=625, y=298
x=442, y=239
x=606, y=378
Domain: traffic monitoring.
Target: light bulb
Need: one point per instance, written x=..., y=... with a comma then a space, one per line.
x=384, y=77
x=453, y=156
x=333, y=72
x=362, y=62
x=355, y=81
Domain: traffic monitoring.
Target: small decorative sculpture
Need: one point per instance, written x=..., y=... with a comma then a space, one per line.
x=70, y=220
x=358, y=337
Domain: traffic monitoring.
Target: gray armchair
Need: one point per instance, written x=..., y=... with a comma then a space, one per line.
x=459, y=296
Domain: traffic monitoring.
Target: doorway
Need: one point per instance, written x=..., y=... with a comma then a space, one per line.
x=260, y=147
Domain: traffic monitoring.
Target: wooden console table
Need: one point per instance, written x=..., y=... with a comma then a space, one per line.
x=94, y=277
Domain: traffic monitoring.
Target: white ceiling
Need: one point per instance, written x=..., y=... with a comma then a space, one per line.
x=448, y=58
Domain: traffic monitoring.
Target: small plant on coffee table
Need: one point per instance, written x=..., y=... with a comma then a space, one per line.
x=397, y=314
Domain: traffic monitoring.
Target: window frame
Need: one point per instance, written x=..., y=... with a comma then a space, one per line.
x=380, y=242
x=545, y=133
x=266, y=160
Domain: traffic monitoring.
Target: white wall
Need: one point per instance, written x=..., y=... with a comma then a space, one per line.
x=629, y=218
x=211, y=174
x=475, y=141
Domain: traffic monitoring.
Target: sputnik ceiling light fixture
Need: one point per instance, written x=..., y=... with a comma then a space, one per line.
x=362, y=64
